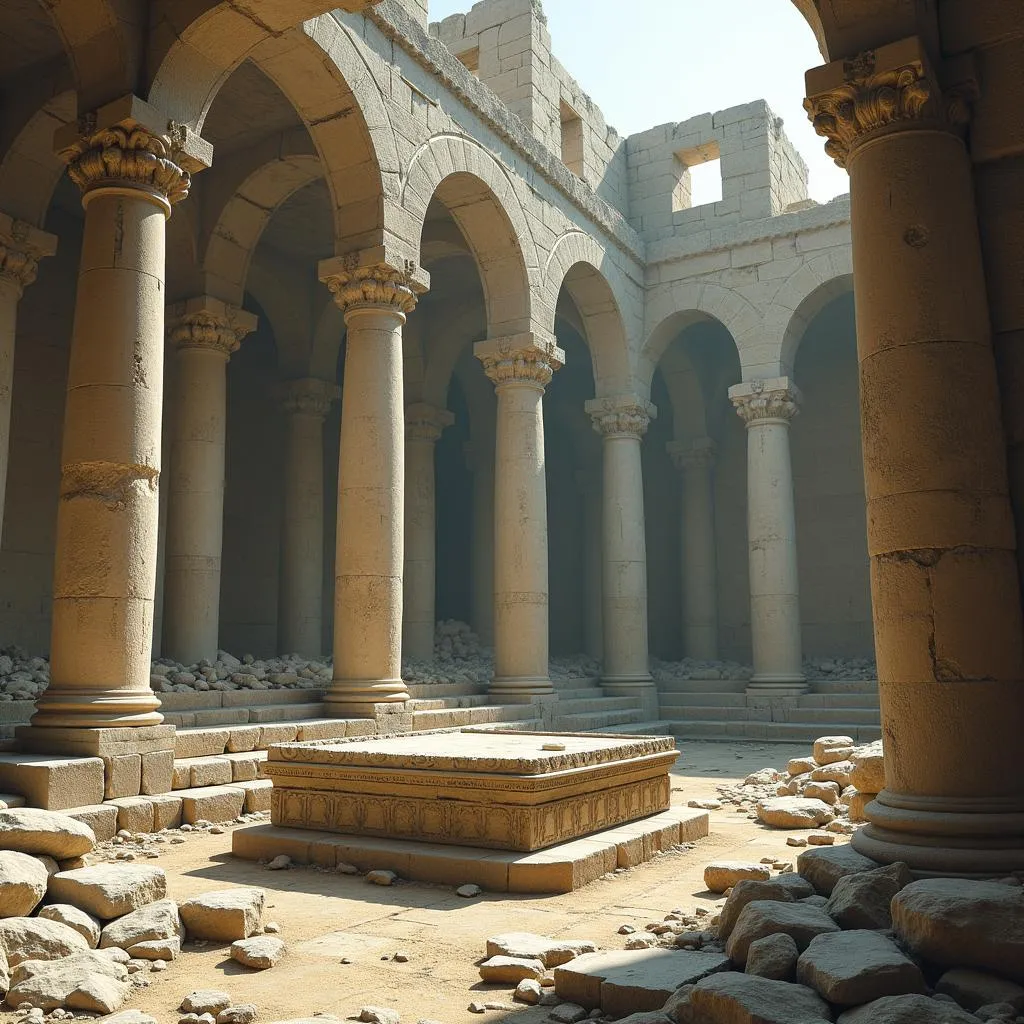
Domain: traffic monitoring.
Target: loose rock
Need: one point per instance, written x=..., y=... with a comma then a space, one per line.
x=23, y=881
x=243, y=1013
x=733, y=998
x=774, y=957
x=224, y=915
x=86, y=981
x=35, y=831
x=567, y=1013
x=468, y=892
x=379, y=1015
x=824, y=867
x=510, y=970
x=528, y=991
x=724, y=874
x=205, y=1000
x=156, y=921
x=85, y=924
x=794, y=812
x=760, y=918
x=863, y=900
x=829, y=749
x=974, y=989
x=35, y=938
x=107, y=890
x=382, y=877
x=910, y=1009
x=259, y=953
x=550, y=952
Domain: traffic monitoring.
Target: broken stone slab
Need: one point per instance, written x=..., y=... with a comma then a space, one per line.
x=909, y=1009
x=838, y=772
x=205, y=1000
x=733, y=998
x=159, y=920
x=868, y=773
x=974, y=989
x=259, y=953
x=528, y=991
x=109, y=890
x=630, y=981
x=35, y=938
x=825, y=865
x=955, y=922
x=794, y=812
x=829, y=749
x=510, y=970
x=34, y=831
x=862, y=900
x=156, y=949
x=724, y=874
x=762, y=917
x=797, y=886
x=85, y=924
x=744, y=893
x=774, y=957
x=551, y=952
x=854, y=967
x=23, y=881
x=85, y=980
x=801, y=766
x=567, y=1013
x=224, y=915
x=241, y=1013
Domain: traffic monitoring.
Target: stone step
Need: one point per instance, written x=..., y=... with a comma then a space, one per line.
x=843, y=685
x=640, y=729
x=774, y=732
x=444, y=690
x=455, y=718
x=286, y=712
x=580, y=705
x=701, y=685
x=576, y=683
x=839, y=700
x=711, y=700
x=595, y=721
x=205, y=700
x=810, y=716
x=582, y=693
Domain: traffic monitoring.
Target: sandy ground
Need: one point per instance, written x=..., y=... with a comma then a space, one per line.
x=326, y=917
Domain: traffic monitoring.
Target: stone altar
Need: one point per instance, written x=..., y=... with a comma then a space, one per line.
x=498, y=790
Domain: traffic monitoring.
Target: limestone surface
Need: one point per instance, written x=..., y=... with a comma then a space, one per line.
x=510, y=970
x=551, y=952
x=724, y=874
x=824, y=866
x=22, y=883
x=35, y=938
x=109, y=890
x=974, y=989
x=225, y=914
x=829, y=749
x=863, y=900
x=747, y=892
x=907, y=1009
x=155, y=921
x=260, y=952
x=85, y=924
x=794, y=812
x=774, y=957
x=854, y=967
x=34, y=831
x=761, y=918
x=963, y=923
x=733, y=998
x=87, y=981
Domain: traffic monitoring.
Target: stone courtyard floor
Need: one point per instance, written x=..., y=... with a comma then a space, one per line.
x=325, y=917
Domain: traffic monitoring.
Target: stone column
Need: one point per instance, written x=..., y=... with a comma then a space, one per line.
x=423, y=427
x=131, y=166
x=203, y=333
x=520, y=368
x=767, y=407
x=480, y=461
x=21, y=248
x=622, y=422
x=305, y=404
x=589, y=481
x=376, y=296
x=695, y=460
x=941, y=536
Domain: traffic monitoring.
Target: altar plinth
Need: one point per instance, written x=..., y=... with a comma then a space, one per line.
x=495, y=790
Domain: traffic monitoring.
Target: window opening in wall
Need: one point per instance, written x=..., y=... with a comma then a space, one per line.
x=572, y=139
x=705, y=166
x=471, y=60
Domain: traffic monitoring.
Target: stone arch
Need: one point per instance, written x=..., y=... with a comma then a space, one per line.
x=686, y=392
x=801, y=297
x=482, y=200
x=580, y=265
x=30, y=170
x=322, y=73
x=690, y=302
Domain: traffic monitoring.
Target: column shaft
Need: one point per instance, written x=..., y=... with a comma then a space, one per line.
x=423, y=428
x=306, y=404
x=940, y=530
x=520, y=368
x=590, y=482
x=767, y=407
x=481, y=459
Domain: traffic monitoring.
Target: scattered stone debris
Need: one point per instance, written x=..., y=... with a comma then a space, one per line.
x=381, y=877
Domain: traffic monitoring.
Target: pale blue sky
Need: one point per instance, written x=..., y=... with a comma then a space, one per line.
x=648, y=62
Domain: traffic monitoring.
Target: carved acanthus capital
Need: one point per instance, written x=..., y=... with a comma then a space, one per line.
x=876, y=92
x=208, y=323
x=522, y=359
x=692, y=456
x=426, y=422
x=22, y=246
x=309, y=396
x=373, y=279
x=621, y=416
x=129, y=144
x=763, y=401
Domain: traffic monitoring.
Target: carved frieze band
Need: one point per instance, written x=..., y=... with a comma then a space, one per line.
x=621, y=417
x=759, y=401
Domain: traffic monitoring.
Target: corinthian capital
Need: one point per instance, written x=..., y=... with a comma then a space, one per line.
x=523, y=359
x=21, y=248
x=878, y=92
x=208, y=323
x=426, y=422
x=127, y=144
x=374, y=278
x=621, y=416
x=761, y=401
x=308, y=397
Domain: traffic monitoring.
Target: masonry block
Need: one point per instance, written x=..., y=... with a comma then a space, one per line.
x=53, y=783
x=134, y=813
x=101, y=818
x=122, y=775
x=157, y=772
x=166, y=811
x=213, y=803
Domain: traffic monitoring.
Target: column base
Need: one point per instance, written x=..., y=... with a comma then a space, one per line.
x=519, y=689
x=94, y=742
x=777, y=684
x=939, y=836
x=356, y=698
x=66, y=708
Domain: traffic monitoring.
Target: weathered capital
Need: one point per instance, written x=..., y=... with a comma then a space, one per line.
x=208, y=323
x=128, y=144
x=426, y=422
x=309, y=396
x=689, y=456
x=374, y=278
x=521, y=359
x=621, y=416
x=763, y=401
x=22, y=246
x=878, y=92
